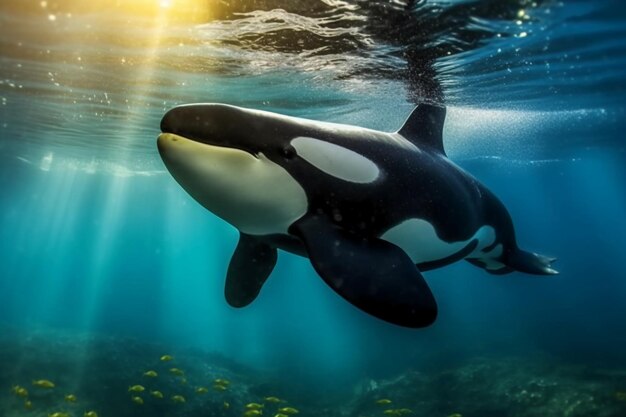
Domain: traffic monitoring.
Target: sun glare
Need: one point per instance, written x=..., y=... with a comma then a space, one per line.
x=188, y=10
x=196, y=11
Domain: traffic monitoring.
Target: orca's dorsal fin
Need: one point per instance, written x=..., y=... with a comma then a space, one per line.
x=424, y=127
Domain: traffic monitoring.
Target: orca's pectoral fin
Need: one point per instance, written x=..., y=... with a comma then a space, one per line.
x=372, y=274
x=251, y=265
x=531, y=263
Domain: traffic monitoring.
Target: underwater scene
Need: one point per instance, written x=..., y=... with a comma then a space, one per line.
x=391, y=208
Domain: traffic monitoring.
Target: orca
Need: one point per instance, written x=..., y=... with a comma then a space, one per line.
x=371, y=210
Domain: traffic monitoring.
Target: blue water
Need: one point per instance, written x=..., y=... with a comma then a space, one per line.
x=97, y=237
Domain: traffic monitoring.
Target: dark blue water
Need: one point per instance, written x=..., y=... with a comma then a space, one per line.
x=97, y=237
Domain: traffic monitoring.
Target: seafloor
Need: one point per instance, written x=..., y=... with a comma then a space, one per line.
x=98, y=371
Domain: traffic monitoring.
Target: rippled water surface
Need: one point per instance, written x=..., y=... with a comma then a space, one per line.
x=97, y=237
x=93, y=80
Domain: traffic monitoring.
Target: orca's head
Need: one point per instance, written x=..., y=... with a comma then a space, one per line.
x=231, y=160
x=248, y=166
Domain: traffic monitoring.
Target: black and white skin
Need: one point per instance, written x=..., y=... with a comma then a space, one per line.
x=371, y=210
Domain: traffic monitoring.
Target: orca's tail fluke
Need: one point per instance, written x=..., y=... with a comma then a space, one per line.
x=531, y=263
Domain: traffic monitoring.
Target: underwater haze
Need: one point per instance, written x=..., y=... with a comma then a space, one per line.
x=107, y=264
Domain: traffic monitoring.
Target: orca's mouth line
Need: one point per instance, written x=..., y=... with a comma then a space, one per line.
x=192, y=137
x=203, y=141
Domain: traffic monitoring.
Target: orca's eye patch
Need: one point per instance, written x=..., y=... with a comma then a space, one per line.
x=336, y=160
x=288, y=152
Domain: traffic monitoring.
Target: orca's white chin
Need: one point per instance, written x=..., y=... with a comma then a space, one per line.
x=254, y=194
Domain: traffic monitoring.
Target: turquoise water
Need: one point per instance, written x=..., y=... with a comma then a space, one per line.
x=99, y=243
